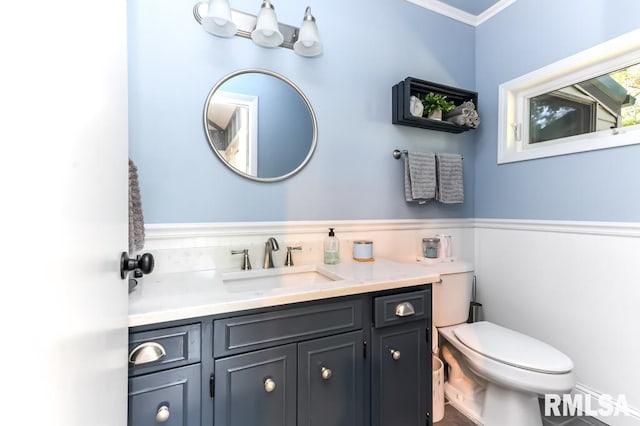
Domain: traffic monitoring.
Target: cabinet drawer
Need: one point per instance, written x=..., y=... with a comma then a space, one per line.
x=168, y=397
x=251, y=332
x=181, y=346
x=402, y=308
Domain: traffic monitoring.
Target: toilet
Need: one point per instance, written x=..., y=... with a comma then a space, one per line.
x=496, y=375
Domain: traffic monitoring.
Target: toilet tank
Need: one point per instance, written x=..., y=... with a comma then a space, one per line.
x=451, y=296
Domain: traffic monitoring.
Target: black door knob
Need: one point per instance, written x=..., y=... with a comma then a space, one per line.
x=142, y=264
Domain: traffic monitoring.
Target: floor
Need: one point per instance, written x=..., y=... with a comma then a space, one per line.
x=453, y=417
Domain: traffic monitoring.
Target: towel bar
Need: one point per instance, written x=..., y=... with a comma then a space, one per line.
x=397, y=153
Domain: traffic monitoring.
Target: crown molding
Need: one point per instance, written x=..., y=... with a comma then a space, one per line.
x=460, y=15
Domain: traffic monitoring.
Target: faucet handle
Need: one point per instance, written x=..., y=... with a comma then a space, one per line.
x=246, y=263
x=289, y=260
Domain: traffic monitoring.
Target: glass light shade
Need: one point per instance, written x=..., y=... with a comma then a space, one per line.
x=267, y=33
x=218, y=19
x=308, y=43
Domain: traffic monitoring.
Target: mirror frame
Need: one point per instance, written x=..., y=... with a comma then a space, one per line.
x=312, y=115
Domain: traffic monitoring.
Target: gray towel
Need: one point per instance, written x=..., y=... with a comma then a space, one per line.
x=462, y=109
x=419, y=176
x=450, y=183
x=464, y=115
x=136, y=219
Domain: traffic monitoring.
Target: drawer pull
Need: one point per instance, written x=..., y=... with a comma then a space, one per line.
x=163, y=414
x=269, y=385
x=326, y=373
x=405, y=309
x=395, y=354
x=146, y=352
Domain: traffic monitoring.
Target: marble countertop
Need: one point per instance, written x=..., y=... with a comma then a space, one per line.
x=169, y=297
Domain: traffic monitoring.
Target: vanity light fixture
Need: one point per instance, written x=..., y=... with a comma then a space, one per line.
x=217, y=18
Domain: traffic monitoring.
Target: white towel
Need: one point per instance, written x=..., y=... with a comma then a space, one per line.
x=136, y=219
x=419, y=176
x=450, y=178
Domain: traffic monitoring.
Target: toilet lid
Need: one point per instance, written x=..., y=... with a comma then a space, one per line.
x=513, y=348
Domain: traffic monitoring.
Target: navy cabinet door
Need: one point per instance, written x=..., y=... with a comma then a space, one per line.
x=170, y=398
x=256, y=388
x=400, y=379
x=330, y=381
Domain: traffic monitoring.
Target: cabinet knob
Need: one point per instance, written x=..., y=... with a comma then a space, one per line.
x=405, y=309
x=146, y=352
x=326, y=373
x=163, y=414
x=269, y=385
x=395, y=354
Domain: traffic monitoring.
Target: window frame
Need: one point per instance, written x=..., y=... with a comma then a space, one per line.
x=514, y=97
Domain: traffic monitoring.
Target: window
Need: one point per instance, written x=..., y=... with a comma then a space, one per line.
x=586, y=102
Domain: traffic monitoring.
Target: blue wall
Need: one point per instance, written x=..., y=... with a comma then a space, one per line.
x=596, y=185
x=369, y=47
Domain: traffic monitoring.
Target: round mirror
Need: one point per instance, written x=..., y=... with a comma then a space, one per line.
x=260, y=125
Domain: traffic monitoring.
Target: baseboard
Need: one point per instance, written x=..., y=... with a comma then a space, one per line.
x=632, y=419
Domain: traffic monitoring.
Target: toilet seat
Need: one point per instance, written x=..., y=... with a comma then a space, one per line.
x=507, y=375
x=513, y=348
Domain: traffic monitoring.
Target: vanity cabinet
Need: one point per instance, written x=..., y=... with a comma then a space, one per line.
x=351, y=361
x=402, y=92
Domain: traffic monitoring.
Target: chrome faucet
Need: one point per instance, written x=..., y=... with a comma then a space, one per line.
x=289, y=259
x=269, y=247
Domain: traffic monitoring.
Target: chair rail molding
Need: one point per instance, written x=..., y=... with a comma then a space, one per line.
x=617, y=229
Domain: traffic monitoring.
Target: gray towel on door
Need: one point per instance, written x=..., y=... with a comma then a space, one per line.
x=450, y=182
x=419, y=176
x=136, y=219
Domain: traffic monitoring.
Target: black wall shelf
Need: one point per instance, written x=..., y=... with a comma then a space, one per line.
x=401, y=114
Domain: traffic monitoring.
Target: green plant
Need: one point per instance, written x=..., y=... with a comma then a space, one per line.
x=434, y=102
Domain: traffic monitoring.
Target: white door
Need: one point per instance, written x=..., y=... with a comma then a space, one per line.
x=63, y=212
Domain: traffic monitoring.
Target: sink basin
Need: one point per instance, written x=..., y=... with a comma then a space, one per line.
x=269, y=279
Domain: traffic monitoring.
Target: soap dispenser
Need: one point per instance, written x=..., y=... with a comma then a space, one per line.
x=331, y=248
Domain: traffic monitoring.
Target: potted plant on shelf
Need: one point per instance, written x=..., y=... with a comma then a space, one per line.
x=435, y=104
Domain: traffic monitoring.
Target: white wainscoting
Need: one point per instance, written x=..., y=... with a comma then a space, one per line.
x=575, y=285
x=188, y=247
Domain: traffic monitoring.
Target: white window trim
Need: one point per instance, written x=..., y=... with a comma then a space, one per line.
x=513, y=105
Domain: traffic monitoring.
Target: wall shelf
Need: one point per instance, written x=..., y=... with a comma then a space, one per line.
x=402, y=91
